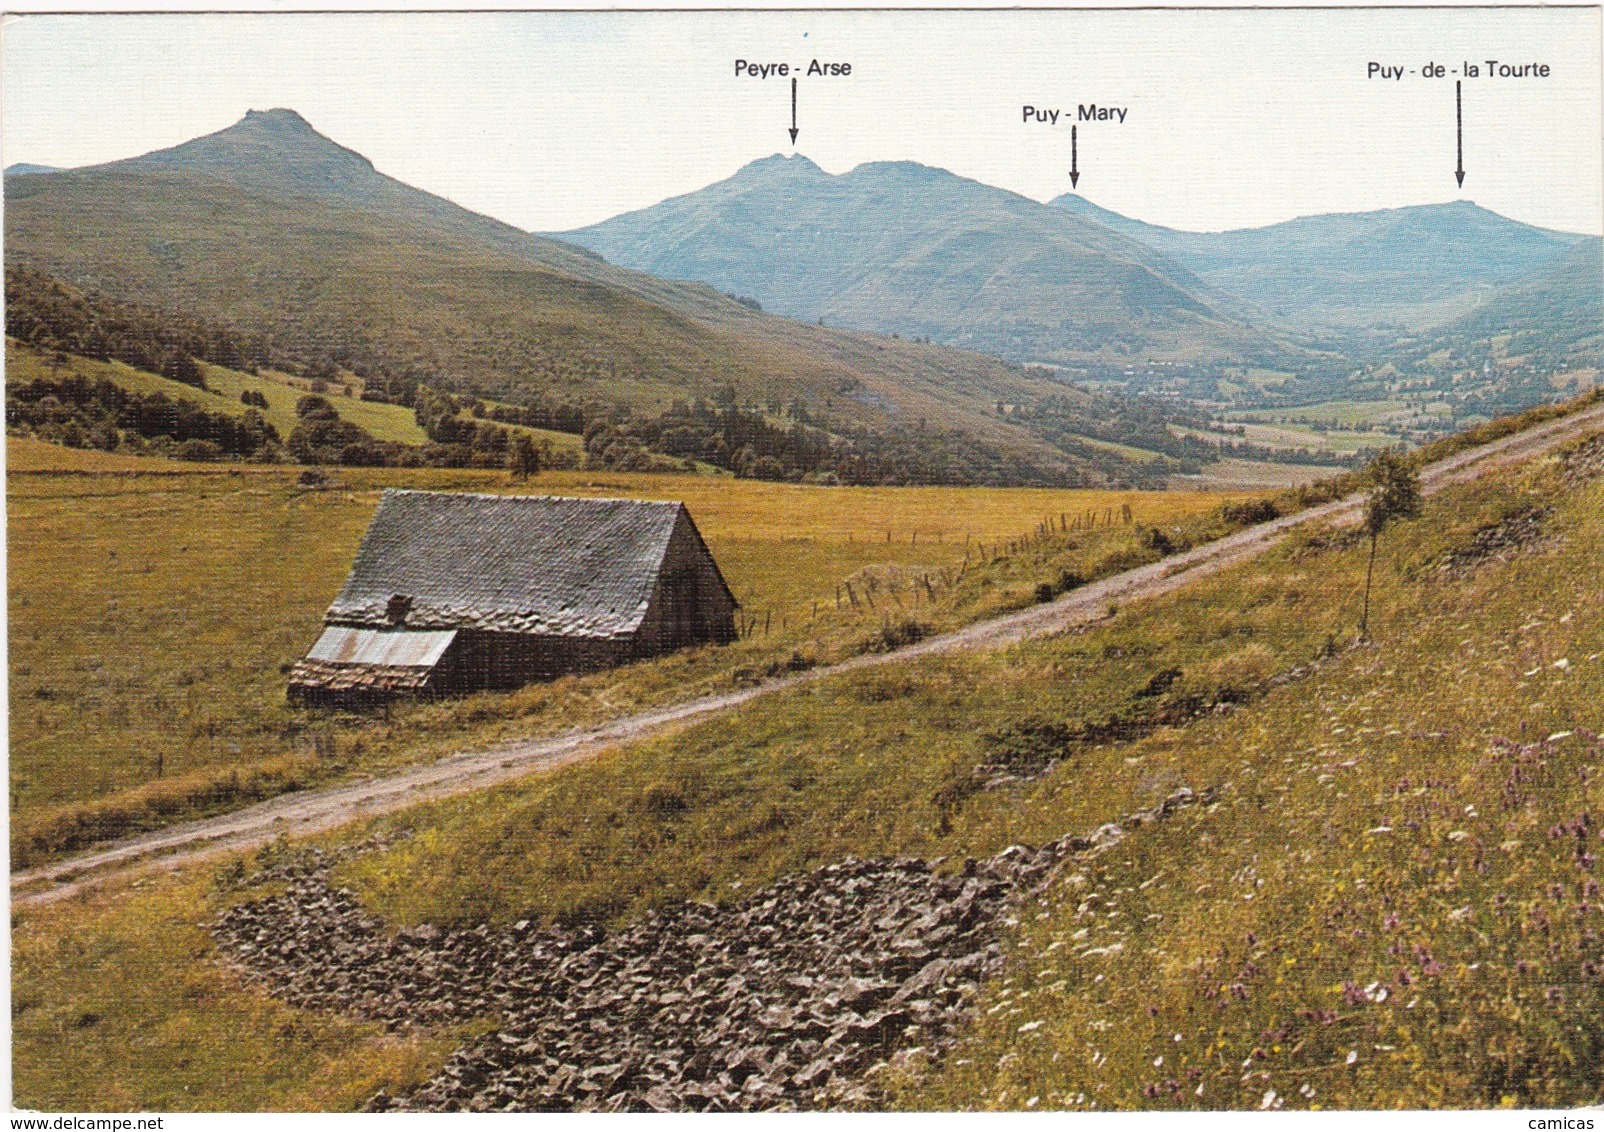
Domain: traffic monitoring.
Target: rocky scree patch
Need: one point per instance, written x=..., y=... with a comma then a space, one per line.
x=790, y=999
x=1584, y=462
x=1517, y=533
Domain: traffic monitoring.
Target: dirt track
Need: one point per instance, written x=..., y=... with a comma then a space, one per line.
x=313, y=811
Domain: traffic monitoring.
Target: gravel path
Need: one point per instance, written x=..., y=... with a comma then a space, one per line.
x=313, y=811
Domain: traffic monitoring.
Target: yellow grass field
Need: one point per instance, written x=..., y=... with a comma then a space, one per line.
x=155, y=607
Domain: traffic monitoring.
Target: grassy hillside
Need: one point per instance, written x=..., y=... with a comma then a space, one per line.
x=897, y=247
x=155, y=608
x=1540, y=336
x=222, y=395
x=1389, y=903
x=275, y=230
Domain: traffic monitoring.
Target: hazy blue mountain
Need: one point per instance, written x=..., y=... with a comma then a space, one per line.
x=899, y=247
x=1558, y=309
x=1401, y=266
x=23, y=168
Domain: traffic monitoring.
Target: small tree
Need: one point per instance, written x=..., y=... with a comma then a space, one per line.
x=1394, y=494
x=523, y=458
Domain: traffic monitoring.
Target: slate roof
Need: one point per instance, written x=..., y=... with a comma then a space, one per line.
x=507, y=563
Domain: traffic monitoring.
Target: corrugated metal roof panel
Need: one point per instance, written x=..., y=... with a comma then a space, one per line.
x=410, y=648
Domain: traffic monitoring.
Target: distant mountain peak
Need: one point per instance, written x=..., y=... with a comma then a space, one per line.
x=286, y=131
x=910, y=168
x=276, y=151
x=24, y=169
x=278, y=116
x=780, y=164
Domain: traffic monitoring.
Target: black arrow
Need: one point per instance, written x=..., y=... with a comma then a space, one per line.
x=1074, y=159
x=1459, y=131
x=794, y=130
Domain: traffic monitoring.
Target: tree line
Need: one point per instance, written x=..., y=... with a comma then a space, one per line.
x=771, y=442
x=82, y=412
x=45, y=313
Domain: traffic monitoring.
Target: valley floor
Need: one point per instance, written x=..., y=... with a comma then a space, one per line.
x=1388, y=897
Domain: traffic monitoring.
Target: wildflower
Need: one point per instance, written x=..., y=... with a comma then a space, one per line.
x=1390, y=922
x=1028, y=1027
x=1353, y=1056
x=1269, y=1100
x=1554, y=995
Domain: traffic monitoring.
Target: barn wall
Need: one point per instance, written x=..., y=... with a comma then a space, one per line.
x=511, y=660
x=690, y=605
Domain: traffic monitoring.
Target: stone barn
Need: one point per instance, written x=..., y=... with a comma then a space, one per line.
x=453, y=592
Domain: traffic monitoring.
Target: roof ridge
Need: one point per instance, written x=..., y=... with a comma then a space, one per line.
x=535, y=498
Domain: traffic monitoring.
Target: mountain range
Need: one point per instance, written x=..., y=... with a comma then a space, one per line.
x=894, y=298
x=1405, y=267
x=897, y=247
x=273, y=228
x=900, y=247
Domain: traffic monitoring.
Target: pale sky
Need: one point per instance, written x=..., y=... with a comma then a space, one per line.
x=556, y=120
